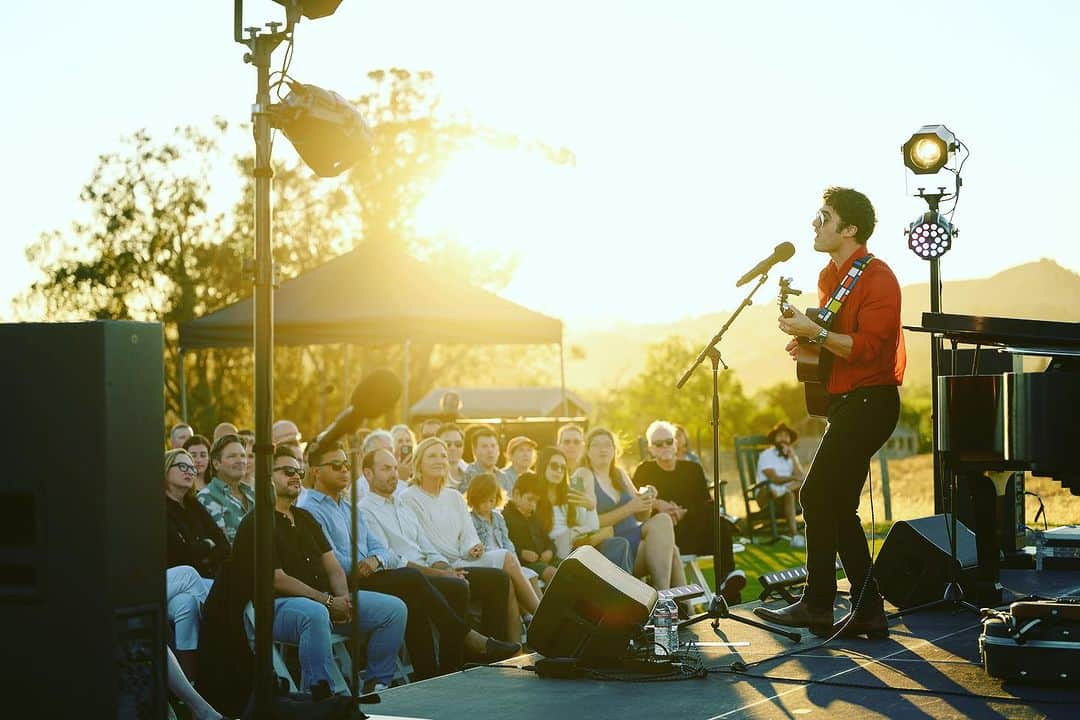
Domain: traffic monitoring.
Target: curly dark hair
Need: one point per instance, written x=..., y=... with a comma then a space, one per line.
x=854, y=209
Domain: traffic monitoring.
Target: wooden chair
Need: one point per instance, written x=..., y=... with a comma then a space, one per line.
x=758, y=520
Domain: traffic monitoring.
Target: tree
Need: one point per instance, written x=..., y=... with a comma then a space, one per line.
x=152, y=249
x=652, y=395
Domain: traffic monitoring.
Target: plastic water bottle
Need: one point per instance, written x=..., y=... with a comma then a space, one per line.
x=665, y=628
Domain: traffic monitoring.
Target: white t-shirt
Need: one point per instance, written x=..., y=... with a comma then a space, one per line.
x=771, y=459
x=445, y=521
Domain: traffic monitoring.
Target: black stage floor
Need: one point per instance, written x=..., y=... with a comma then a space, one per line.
x=928, y=668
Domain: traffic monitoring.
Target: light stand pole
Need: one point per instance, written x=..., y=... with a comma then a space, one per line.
x=261, y=47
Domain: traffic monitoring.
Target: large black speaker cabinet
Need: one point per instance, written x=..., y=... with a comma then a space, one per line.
x=591, y=610
x=82, y=519
x=914, y=563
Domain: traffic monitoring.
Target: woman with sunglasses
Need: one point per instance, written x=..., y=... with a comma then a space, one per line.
x=192, y=536
x=629, y=512
x=568, y=515
x=445, y=520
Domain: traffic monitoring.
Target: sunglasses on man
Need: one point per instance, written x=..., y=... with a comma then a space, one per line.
x=337, y=465
x=290, y=471
x=666, y=442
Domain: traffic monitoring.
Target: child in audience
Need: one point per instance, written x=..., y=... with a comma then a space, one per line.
x=535, y=549
x=483, y=496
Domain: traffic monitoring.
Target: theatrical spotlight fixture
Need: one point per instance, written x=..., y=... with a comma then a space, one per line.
x=327, y=131
x=312, y=9
x=930, y=236
x=927, y=151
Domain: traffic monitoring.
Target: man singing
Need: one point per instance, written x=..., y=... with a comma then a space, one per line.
x=865, y=338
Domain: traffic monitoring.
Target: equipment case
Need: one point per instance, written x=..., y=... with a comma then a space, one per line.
x=1035, y=642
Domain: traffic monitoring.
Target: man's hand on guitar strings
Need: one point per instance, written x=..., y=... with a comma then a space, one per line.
x=797, y=324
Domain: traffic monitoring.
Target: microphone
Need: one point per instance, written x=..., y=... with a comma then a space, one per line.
x=780, y=253
x=373, y=396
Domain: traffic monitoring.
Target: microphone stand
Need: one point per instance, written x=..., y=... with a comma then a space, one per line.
x=718, y=609
x=723, y=559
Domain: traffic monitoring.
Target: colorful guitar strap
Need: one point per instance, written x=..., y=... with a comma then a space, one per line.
x=836, y=301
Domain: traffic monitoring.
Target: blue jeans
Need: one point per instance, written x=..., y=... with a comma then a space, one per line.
x=306, y=623
x=185, y=592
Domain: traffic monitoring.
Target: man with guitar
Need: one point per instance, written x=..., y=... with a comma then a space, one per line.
x=859, y=325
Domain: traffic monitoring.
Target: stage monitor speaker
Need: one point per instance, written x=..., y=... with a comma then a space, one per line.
x=82, y=519
x=914, y=563
x=591, y=610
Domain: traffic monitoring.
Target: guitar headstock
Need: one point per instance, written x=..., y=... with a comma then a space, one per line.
x=785, y=291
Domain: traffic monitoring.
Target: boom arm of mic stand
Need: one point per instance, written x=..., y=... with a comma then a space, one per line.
x=716, y=338
x=718, y=609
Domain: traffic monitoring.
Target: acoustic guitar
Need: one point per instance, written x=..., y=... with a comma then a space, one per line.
x=813, y=363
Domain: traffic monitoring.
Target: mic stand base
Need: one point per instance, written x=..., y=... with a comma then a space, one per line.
x=718, y=610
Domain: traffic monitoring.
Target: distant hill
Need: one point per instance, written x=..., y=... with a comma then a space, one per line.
x=753, y=347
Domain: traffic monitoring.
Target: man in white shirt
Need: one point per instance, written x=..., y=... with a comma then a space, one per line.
x=779, y=477
x=397, y=527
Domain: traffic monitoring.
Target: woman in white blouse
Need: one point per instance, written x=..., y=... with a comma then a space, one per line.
x=445, y=520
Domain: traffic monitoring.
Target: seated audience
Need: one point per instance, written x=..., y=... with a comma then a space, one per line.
x=312, y=594
x=682, y=446
x=398, y=529
x=430, y=427
x=224, y=428
x=630, y=513
x=571, y=440
x=454, y=437
x=226, y=498
x=568, y=514
x=404, y=444
x=185, y=593
x=682, y=491
x=445, y=519
x=535, y=549
x=372, y=570
x=178, y=435
x=199, y=449
x=520, y=455
x=779, y=478
x=192, y=538
x=485, y=447
x=483, y=496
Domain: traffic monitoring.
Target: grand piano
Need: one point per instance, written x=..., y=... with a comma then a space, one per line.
x=994, y=425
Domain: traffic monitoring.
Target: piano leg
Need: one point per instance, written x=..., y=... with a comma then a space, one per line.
x=983, y=587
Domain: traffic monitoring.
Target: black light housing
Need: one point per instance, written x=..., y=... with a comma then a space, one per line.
x=927, y=151
x=931, y=235
x=327, y=131
x=312, y=9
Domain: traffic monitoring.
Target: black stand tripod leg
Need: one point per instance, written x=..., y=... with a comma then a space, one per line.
x=718, y=610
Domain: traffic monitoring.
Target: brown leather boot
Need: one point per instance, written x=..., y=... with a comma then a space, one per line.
x=870, y=619
x=798, y=615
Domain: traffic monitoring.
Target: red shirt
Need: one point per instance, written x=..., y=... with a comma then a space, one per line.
x=871, y=316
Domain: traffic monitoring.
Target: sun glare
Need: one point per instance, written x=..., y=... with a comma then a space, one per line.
x=492, y=199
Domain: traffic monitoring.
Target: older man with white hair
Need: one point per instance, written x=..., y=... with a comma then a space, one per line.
x=683, y=493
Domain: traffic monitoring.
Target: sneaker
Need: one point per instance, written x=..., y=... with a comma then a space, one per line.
x=798, y=541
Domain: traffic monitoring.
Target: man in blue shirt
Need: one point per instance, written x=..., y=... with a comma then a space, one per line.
x=330, y=506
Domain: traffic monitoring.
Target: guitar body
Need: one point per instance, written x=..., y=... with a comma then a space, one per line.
x=813, y=363
x=812, y=367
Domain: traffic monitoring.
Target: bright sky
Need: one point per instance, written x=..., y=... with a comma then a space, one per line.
x=704, y=131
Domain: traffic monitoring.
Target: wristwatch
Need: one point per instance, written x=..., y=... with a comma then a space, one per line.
x=819, y=339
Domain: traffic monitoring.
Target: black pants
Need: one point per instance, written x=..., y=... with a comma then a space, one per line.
x=427, y=606
x=490, y=587
x=859, y=424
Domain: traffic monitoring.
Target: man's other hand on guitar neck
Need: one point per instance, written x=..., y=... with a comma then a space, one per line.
x=800, y=326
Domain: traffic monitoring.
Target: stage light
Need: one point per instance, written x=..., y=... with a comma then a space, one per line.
x=930, y=236
x=927, y=151
x=312, y=9
x=327, y=131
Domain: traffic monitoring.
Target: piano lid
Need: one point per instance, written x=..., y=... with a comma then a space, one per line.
x=1016, y=334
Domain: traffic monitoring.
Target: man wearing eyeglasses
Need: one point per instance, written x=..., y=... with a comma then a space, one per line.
x=378, y=569
x=571, y=440
x=311, y=587
x=683, y=493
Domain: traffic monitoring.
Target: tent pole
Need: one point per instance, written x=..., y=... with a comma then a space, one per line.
x=562, y=380
x=405, y=381
x=183, y=385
